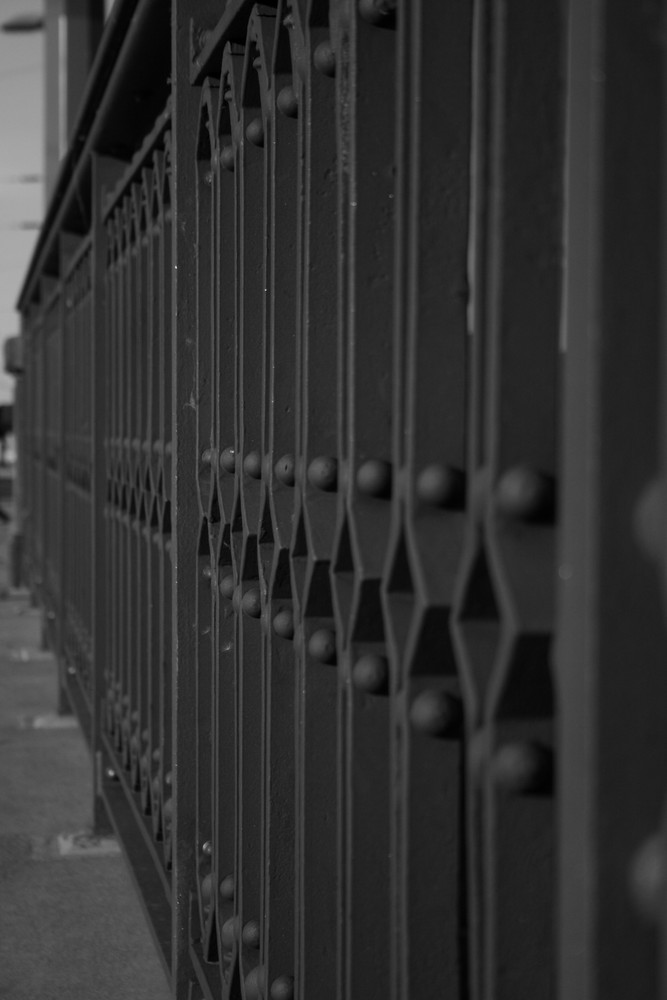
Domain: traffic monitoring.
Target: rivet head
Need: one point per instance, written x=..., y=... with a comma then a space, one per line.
x=251, y=603
x=206, y=572
x=648, y=878
x=110, y=774
x=283, y=624
x=205, y=888
x=287, y=102
x=323, y=473
x=378, y=12
x=226, y=888
x=322, y=645
x=285, y=470
x=255, y=132
x=371, y=673
x=228, y=460
x=526, y=494
x=436, y=713
x=250, y=934
x=167, y=811
x=206, y=456
x=227, y=158
x=229, y=931
x=252, y=465
x=254, y=983
x=324, y=59
x=523, y=768
x=226, y=585
x=441, y=486
x=207, y=848
x=282, y=988
x=374, y=478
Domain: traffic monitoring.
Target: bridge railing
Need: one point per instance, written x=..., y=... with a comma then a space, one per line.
x=328, y=500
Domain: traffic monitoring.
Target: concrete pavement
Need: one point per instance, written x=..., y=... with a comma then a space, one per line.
x=71, y=927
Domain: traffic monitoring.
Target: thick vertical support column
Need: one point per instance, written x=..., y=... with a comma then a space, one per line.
x=73, y=30
x=612, y=682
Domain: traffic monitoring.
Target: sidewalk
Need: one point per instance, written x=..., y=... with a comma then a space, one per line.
x=71, y=927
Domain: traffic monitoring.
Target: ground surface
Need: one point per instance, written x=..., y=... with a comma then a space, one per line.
x=71, y=927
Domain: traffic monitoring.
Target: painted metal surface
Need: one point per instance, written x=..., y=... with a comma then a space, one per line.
x=329, y=500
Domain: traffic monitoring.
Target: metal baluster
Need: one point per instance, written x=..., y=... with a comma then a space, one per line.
x=203, y=930
x=223, y=457
x=279, y=476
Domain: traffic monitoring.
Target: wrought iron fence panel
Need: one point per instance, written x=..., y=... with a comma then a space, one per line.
x=307, y=342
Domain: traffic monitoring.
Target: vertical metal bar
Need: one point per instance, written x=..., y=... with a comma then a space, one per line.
x=318, y=745
x=611, y=732
x=104, y=172
x=185, y=108
x=278, y=907
x=430, y=365
x=225, y=437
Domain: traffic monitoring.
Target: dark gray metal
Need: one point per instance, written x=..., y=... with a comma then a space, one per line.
x=329, y=490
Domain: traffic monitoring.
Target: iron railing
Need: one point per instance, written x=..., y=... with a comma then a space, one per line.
x=340, y=393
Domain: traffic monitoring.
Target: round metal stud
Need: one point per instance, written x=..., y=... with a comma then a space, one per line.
x=167, y=811
x=324, y=59
x=288, y=103
x=206, y=456
x=526, y=494
x=229, y=931
x=374, y=478
x=282, y=988
x=371, y=673
x=285, y=470
x=381, y=13
x=523, y=768
x=283, y=624
x=226, y=585
x=322, y=645
x=255, y=132
x=227, y=158
x=206, y=572
x=207, y=848
x=228, y=460
x=436, y=713
x=648, y=878
x=226, y=889
x=110, y=774
x=205, y=889
x=254, y=983
x=252, y=465
x=323, y=473
x=250, y=934
x=441, y=486
x=251, y=603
